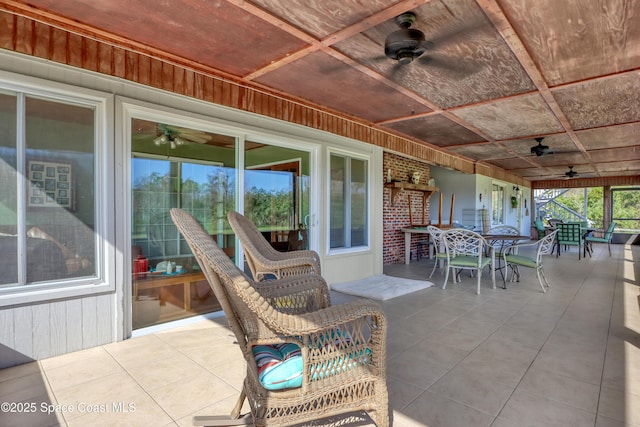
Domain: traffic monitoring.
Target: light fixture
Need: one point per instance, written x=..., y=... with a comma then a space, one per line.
x=516, y=188
x=173, y=141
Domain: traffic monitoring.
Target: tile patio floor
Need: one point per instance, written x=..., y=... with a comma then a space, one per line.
x=505, y=358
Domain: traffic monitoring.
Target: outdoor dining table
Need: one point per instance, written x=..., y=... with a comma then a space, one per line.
x=408, y=231
x=503, y=239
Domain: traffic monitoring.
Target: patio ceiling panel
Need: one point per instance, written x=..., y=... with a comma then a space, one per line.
x=308, y=77
x=576, y=40
x=511, y=117
x=615, y=136
x=435, y=129
x=609, y=101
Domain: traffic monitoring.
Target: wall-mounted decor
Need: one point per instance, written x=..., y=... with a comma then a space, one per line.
x=50, y=184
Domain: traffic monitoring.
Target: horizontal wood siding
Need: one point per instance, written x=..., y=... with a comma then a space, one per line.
x=24, y=35
x=587, y=182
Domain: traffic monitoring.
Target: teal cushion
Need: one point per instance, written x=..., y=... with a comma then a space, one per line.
x=597, y=239
x=468, y=261
x=521, y=260
x=279, y=365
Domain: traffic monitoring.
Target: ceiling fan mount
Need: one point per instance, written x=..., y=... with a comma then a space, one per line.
x=571, y=173
x=405, y=44
x=540, y=150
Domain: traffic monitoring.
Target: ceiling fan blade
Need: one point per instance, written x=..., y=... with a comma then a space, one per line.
x=456, y=67
x=454, y=33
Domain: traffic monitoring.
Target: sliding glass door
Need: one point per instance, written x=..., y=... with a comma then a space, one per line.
x=277, y=194
x=185, y=168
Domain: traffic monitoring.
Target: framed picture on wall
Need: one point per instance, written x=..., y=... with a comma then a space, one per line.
x=50, y=184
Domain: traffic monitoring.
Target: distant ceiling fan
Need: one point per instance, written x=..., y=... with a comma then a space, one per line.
x=570, y=173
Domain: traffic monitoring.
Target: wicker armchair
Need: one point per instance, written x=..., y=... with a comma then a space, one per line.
x=341, y=349
x=263, y=259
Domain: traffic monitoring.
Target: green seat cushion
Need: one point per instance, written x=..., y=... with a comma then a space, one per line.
x=521, y=260
x=468, y=261
x=569, y=242
x=597, y=239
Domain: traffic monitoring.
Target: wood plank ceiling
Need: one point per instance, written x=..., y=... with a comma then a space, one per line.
x=499, y=73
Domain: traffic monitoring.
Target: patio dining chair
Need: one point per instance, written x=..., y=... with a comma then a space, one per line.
x=467, y=250
x=305, y=359
x=543, y=246
x=263, y=259
x=542, y=231
x=570, y=234
x=608, y=235
x=504, y=230
x=435, y=234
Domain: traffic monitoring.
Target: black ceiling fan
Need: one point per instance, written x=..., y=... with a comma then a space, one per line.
x=542, y=150
x=570, y=173
x=405, y=44
x=408, y=44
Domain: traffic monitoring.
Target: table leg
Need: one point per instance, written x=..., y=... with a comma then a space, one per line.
x=407, y=248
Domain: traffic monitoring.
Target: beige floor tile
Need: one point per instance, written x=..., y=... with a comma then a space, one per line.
x=151, y=375
x=529, y=410
x=139, y=350
x=415, y=368
x=144, y=411
x=71, y=358
x=24, y=388
x=433, y=410
x=471, y=388
x=111, y=390
x=622, y=366
x=191, y=394
x=560, y=388
x=563, y=361
x=401, y=394
x=225, y=361
x=222, y=407
x=620, y=406
x=96, y=365
x=19, y=371
x=608, y=422
x=40, y=411
x=455, y=338
x=474, y=327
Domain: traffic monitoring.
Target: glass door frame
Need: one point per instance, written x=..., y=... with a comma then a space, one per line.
x=127, y=109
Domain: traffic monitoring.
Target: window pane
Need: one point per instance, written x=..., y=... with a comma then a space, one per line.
x=8, y=191
x=337, y=202
x=497, y=205
x=276, y=194
x=358, y=202
x=60, y=154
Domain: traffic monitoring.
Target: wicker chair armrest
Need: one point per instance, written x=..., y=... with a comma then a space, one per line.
x=296, y=295
x=289, y=266
x=331, y=318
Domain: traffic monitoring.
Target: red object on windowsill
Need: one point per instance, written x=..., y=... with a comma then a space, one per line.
x=140, y=267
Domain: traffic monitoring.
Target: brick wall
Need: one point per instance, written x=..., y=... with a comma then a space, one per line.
x=396, y=215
